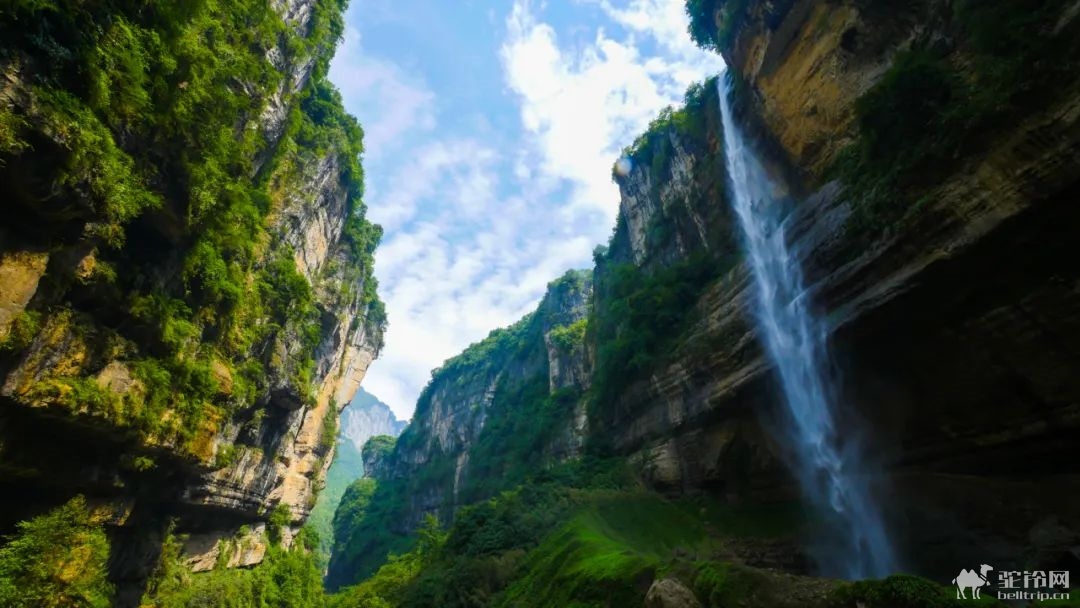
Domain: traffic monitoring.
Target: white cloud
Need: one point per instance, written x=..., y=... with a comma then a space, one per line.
x=475, y=226
x=473, y=262
x=664, y=21
x=583, y=105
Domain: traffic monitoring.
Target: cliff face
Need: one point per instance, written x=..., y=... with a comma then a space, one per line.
x=506, y=407
x=473, y=405
x=942, y=278
x=187, y=293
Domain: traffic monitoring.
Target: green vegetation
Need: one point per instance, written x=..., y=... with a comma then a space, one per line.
x=607, y=555
x=286, y=578
x=56, y=559
x=368, y=527
x=902, y=591
x=703, y=29
x=130, y=127
x=24, y=326
x=476, y=360
x=346, y=468
x=387, y=587
x=932, y=110
x=642, y=309
x=59, y=559
x=279, y=519
x=653, y=148
x=641, y=319
x=522, y=420
x=480, y=552
x=569, y=337
x=581, y=534
x=328, y=434
x=378, y=448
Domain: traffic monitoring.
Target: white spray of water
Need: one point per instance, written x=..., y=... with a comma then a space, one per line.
x=797, y=343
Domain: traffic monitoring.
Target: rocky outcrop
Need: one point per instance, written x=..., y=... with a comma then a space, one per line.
x=670, y=593
x=376, y=456
x=20, y=272
x=187, y=335
x=281, y=461
x=494, y=380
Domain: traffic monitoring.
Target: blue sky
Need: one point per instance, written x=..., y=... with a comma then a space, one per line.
x=490, y=131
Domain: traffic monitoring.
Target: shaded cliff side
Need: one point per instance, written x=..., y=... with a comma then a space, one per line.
x=926, y=157
x=187, y=296
x=488, y=417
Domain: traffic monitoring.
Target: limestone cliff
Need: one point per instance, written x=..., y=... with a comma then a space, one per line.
x=506, y=407
x=187, y=289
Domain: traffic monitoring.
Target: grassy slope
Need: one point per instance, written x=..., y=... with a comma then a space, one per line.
x=608, y=549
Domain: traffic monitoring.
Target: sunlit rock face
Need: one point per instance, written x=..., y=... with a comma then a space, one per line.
x=259, y=444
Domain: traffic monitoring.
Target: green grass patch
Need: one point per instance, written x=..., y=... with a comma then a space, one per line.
x=608, y=553
x=774, y=520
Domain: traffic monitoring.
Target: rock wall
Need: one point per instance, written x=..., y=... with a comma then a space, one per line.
x=507, y=407
x=188, y=353
x=947, y=325
x=453, y=414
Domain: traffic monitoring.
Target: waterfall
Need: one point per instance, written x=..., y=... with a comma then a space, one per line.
x=796, y=342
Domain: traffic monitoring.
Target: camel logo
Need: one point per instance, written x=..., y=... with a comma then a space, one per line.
x=969, y=579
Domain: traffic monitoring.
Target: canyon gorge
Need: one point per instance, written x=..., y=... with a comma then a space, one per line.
x=827, y=357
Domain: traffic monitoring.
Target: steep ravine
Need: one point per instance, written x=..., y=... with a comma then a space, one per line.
x=363, y=418
x=187, y=302
x=928, y=171
x=185, y=271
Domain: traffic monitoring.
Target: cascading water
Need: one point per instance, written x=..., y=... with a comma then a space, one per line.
x=796, y=342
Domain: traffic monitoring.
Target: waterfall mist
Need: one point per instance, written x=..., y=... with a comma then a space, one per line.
x=796, y=342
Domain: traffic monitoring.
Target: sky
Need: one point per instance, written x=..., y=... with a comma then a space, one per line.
x=490, y=131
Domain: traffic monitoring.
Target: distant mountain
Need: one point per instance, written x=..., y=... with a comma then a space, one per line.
x=363, y=418
x=366, y=417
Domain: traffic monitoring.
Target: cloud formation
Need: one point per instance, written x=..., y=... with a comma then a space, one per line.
x=479, y=219
x=582, y=106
